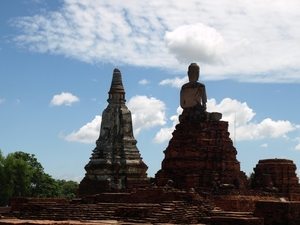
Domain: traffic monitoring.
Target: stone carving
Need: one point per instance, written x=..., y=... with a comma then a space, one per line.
x=116, y=163
x=193, y=94
x=193, y=98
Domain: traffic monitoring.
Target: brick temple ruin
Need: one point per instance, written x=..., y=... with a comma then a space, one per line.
x=200, y=181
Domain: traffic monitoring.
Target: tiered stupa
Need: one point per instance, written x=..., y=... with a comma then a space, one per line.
x=116, y=164
x=200, y=153
x=276, y=174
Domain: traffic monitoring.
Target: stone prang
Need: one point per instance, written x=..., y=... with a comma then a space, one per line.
x=116, y=163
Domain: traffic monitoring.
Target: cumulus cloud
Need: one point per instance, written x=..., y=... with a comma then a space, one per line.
x=240, y=115
x=195, y=42
x=144, y=81
x=265, y=129
x=232, y=110
x=2, y=100
x=64, y=98
x=146, y=112
x=165, y=133
x=245, y=41
x=241, y=126
x=88, y=133
x=175, y=82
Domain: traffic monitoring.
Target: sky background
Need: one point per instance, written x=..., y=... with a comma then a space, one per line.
x=57, y=59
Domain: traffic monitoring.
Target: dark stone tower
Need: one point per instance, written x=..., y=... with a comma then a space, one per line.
x=116, y=164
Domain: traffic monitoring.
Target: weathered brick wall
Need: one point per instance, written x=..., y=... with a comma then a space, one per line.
x=201, y=154
x=281, y=213
x=238, y=203
x=222, y=220
x=279, y=173
x=151, y=195
x=16, y=203
x=181, y=212
x=294, y=196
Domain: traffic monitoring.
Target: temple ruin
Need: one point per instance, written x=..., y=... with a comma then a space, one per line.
x=200, y=153
x=116, y=163
x=200, y=181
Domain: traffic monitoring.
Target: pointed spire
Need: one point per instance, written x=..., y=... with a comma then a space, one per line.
x=116, y=92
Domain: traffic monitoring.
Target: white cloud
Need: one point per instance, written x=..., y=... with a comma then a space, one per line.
x=150, y=112
x=232, y=110
x=175, y=82
x=146, y=112
x=264, y=145
x=144, y=81
x=253, y=40
x=2, y=100
x=265, y=129
x=195, y=42
x=88, y=133
x=239, y=117
x=64, y=98
x=165, y=133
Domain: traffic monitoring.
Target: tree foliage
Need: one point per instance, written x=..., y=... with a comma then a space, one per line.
x=21, y=175
x=68, y=188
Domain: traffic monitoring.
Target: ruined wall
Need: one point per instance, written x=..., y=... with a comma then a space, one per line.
x=201, y=154
x=278, y=173
x=239, y=203
x=275, y=212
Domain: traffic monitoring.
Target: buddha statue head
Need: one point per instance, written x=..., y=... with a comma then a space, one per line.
x=193, y=72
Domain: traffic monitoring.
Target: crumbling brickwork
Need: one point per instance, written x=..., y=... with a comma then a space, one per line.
x=201, y=154
x=277, y=173
x=276, y=212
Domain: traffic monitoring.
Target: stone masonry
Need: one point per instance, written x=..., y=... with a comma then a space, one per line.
x=277, y=174
x=201, y=154
x=116, y=163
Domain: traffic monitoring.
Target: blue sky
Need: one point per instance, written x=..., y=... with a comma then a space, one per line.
x=57, y=60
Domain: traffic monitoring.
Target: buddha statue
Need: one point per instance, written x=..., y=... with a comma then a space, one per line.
x=193, y=98
x=193, y=93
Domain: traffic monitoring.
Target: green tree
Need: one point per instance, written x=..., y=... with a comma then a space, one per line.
x=68, y=188
x=18, y=175
x=22, y=175
x=42, y=185
x=3, y=184
x=46, y=187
